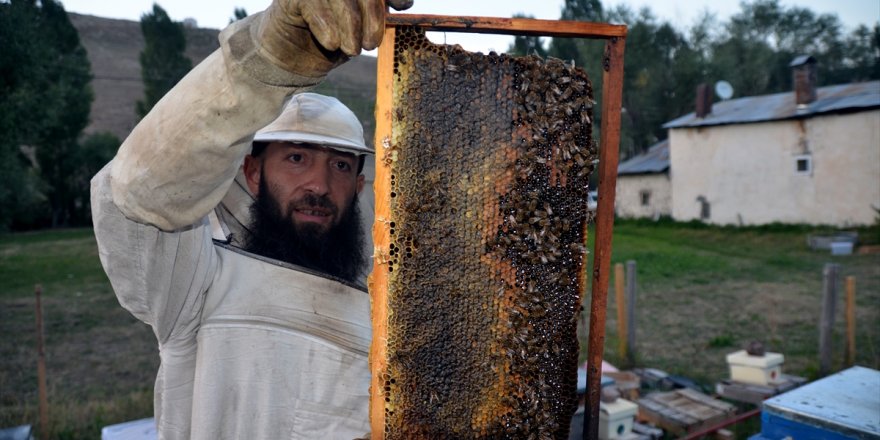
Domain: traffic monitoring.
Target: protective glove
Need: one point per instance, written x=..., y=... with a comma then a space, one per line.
x=311, y=37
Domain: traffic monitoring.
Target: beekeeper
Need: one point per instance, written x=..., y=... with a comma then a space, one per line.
x=190, y=232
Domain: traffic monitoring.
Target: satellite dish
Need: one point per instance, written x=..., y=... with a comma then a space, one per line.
x=724, y=90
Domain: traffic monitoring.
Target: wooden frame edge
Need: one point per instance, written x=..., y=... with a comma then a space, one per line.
x=381, y=233
x=509, y=26
x=612, y=90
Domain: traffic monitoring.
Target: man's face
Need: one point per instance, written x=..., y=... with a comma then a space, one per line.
x=306, y=212
x=315, y=184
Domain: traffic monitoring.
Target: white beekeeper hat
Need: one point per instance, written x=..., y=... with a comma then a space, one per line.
x=317, y=119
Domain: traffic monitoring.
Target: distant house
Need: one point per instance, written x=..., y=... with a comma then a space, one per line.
x=808, y=156
x=643, y=185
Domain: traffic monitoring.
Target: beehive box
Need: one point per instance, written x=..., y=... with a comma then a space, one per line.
x=755, y=394
x=616, y=419
x=628, y=383
x=684, y=410
x=765, y=369
x=480, y=235
x=842, y=406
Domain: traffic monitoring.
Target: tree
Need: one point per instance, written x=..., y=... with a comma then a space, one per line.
x=763, y=38
x=19, y=104
x=68, y=107
x=92, y=153
x=658, y=61
x=163, y=63
x=527, y=45
x=657, y=58
x=861, y=56
x=45, y=106
x=664, y=65
x=579, y=50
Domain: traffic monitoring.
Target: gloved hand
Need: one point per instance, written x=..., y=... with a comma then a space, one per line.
x=310, y=37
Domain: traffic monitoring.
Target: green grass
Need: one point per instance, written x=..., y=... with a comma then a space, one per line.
x=56, y=259
x=101, y=362
x=703, y=292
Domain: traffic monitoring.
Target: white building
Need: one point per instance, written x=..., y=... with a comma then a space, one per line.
x=643, y=185
x=810, y=156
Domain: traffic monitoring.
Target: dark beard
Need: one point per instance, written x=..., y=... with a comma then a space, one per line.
x=338, y=251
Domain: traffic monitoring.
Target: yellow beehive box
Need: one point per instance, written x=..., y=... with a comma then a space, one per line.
x=616, y=419
x=758, y=370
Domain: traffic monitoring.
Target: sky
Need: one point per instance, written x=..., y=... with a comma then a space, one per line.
x=681, y=13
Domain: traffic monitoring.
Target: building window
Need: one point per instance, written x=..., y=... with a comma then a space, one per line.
x=645, y=197
x=705, y=208
x=803, y=164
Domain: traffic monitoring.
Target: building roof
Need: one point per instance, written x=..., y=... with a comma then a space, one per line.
x=781, y=106
x=653, y=161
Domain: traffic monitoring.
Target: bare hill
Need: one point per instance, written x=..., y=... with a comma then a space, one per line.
x=114, y=48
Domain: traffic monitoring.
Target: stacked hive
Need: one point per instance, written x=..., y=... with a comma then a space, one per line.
x=489, y=160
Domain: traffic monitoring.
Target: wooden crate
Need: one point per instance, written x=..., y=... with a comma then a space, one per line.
x=628, y=383
x=755, y=394
x=683, y=411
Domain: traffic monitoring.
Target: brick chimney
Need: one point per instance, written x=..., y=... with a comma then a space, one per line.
x=805, y=78
x=704, y=100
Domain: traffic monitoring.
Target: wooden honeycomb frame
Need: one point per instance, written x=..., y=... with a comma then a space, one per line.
x=612, y=63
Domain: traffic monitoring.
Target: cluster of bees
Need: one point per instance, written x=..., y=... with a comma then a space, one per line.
x=489, y=157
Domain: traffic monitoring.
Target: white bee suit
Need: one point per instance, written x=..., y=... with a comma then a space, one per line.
x=249, y=348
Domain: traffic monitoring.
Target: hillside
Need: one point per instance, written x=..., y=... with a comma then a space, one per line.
x=114, y=48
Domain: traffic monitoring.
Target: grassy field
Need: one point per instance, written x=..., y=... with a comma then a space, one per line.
x=702, y=293
x=101, y=362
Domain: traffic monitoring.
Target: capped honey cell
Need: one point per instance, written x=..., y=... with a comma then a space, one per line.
x=489, y=158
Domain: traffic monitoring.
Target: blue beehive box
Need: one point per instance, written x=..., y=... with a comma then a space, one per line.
x=143, y=429
x=842, y=406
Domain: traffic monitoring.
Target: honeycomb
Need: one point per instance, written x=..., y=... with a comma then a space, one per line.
x=489, y=159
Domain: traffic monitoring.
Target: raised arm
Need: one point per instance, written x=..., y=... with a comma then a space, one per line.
x=149, y=204
x=180, y=160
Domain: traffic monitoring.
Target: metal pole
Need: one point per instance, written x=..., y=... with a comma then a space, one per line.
x=826, y=321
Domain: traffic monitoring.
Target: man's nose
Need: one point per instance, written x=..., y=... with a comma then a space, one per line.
x=318, y=180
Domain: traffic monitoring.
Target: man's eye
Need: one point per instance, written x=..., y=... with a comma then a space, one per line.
x=343, y=166
x=295, y=157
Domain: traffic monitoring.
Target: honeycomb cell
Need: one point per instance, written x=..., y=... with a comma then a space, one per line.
x=490, y=157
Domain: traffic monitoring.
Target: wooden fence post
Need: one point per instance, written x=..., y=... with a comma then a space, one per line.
x=850, y=320
x=631, y=312
x=826, y=321
x=41, y=367
x=621, y=309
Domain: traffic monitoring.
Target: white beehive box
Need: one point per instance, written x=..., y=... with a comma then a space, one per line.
x=758, y=370
x=616, y=419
